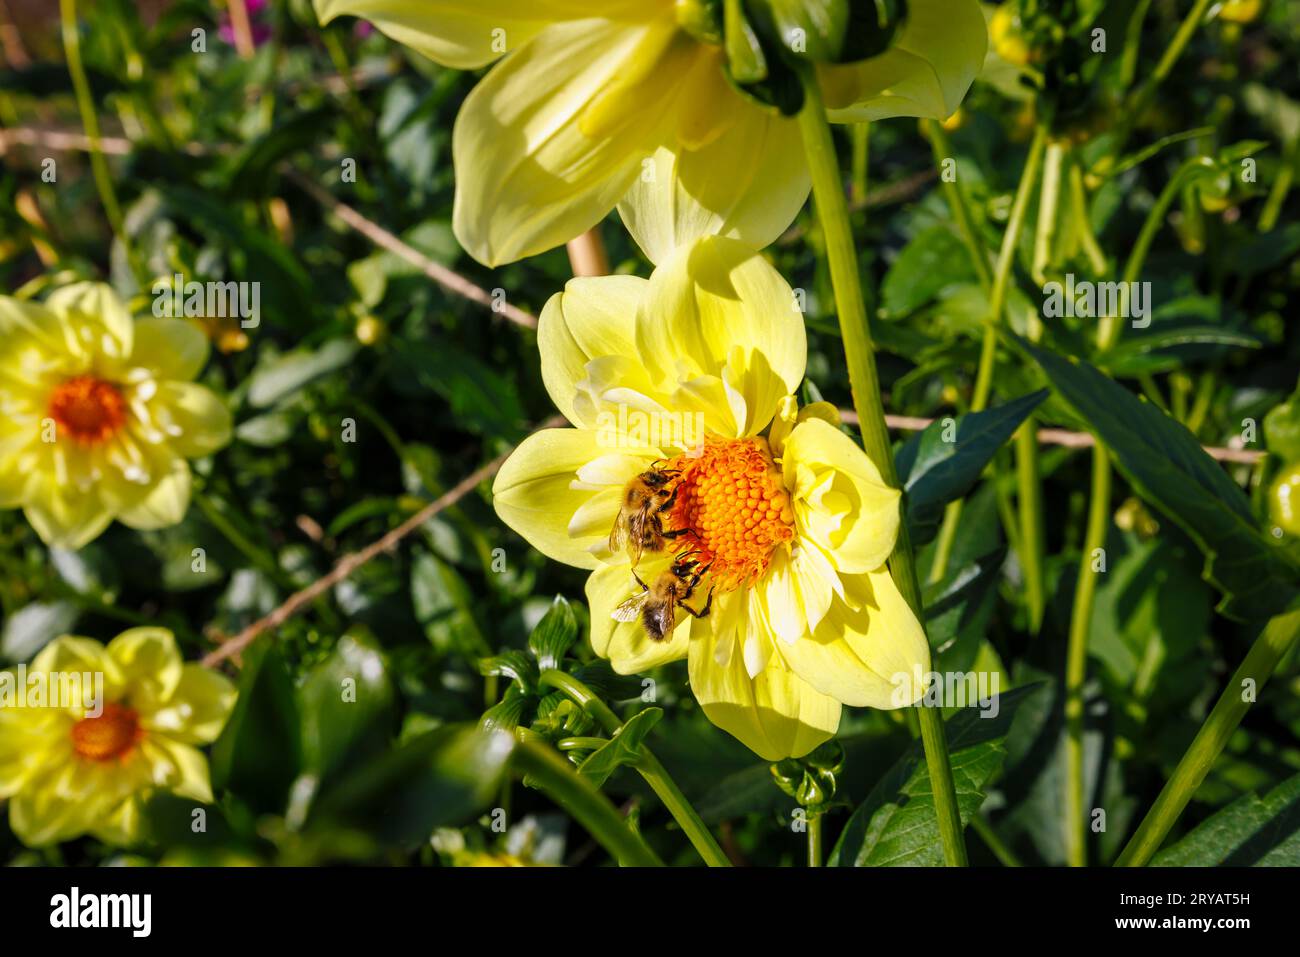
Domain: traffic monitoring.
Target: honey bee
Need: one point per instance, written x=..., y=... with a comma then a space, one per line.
x=657, y=604
x=639, y=526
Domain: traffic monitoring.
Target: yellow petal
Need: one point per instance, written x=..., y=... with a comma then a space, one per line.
x=871, y=657
x=170, y=348
x=30, y=738
x=149, y=663
x=197, y=710
x=593, y=317
x=64, y=517
x=166, y=502
x=94, y=309
x=627, y=646
x=527, y=177
x=178, y=768
x=718, y=311
x=840, y=500
x=194, y=418
x=535, y=493
x=72, y=799
x=775, y=713
x=926, y=73
x=749, y=183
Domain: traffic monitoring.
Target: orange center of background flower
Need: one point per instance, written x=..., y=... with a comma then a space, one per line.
x=731, y=499
x=112, y=735
x=89, y=409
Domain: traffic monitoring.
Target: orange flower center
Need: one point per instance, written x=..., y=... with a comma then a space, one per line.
x=112, y=735
x=89, y=409
x=731, y=500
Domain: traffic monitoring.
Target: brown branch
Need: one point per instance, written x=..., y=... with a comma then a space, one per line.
x=447, y=278
x=1063, y=437
x=349, y=564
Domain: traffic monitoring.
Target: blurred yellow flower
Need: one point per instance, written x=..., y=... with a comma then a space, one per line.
x=98, y=414
x=598, y=105
x=694, y=369
x=81, y=765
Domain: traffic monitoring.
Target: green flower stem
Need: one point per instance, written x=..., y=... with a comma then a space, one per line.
x=1076, y=658
x=850, y=303
x=1281, y=186
x=649, y=767
x=815, y=840
x=1045, y=234
x=956, y=197
x=1133, y=108
x=589, y=807
x=1076, y=654
x=998, y=289
x=995, y=844
x=1274, y=643
x=90, y=122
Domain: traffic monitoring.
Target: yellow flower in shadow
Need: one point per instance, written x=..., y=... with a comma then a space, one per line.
x=84, y=762
x=99, y=414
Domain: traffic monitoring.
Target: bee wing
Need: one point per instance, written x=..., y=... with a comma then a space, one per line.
x=629, y=609
x=618, y=534
x=636, y=533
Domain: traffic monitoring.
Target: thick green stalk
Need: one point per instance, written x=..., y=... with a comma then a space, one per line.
x=815, y=841
x=589, y=807
x=861, y=133
x=687, y=818
x=1076, y=657
x=850, y=304
x=1045, y=234
x=1274, y=643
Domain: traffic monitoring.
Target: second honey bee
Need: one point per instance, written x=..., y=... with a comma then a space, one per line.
x=658, y=602
x=639, y=526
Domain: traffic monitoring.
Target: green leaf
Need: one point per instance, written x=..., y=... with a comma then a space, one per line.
x=623, y=748
x=260, y=751
x=284, y=375
x=944, y=462
x=444, y=606
x=1147, y=354
x=897, y=825
x=34, y=626
x=515, y=665
x=1282, y=430
x=934, y=260
x=1168, y=468
x=957, y=609
x=348, y=708
x=1252, y=831
x=554, y=634
x=440, y=778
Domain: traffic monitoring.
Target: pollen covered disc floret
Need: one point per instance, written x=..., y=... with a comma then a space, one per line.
x=731, y=502
x=109, y=736
x=88, y=409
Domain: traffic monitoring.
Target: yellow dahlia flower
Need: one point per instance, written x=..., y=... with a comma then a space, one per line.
x=602, y=104
x=98, y=414
x=692, y=371
x=84, y=765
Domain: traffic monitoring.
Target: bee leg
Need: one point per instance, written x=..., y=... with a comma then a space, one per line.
x=704, y=612
x=644, y=586
x=676, y=533
x=671, y=500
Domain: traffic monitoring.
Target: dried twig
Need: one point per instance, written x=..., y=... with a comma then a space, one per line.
x=351, y=562
x=449, y=279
